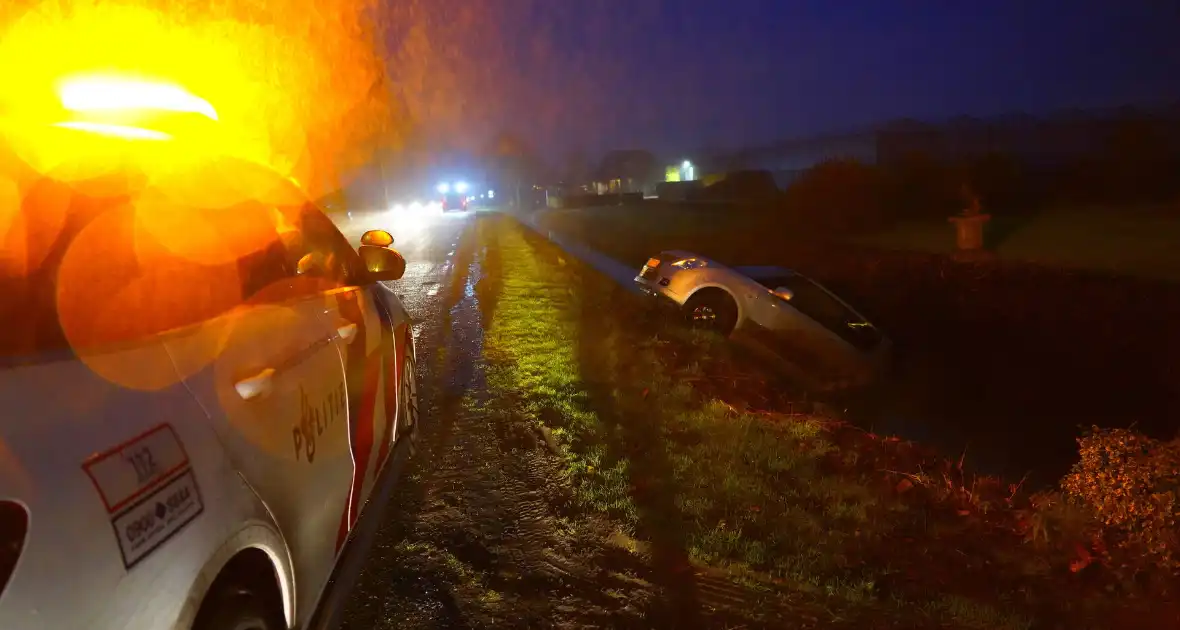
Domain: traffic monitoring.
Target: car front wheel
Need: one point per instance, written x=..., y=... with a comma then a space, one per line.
x=713, y=310
x=409, y=402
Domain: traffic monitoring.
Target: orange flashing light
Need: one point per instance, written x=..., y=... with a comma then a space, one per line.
x=108, y=93
x=117, y=131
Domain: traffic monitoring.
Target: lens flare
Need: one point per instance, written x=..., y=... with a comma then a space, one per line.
x=117, y=285
x=298, y=88
x=116, y=131
x=98, y=93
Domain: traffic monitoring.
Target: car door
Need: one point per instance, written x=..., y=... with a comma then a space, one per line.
x=372, y=337
x=808, y=328
x=275, y=387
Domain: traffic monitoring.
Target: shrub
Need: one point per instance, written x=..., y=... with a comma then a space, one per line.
x=1002, y=182
x=1130, y=481
x=840, y=196
x=740, y=186
x=916, y=186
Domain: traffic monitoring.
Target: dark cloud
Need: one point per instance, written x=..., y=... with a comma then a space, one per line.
x=674, y=75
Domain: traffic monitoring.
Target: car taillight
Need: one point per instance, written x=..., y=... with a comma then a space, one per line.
x=14, y=529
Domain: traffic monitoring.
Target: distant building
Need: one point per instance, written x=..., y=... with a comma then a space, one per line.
x=788, y=159
x=681, y=172
x=1034, y=141
x=628, y=171
x=1046, y=141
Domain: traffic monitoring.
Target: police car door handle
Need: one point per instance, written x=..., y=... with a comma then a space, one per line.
x=256, y=386
x=347, y=332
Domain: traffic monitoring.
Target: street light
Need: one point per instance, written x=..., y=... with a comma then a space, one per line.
x=461, y=187
x=444, y=188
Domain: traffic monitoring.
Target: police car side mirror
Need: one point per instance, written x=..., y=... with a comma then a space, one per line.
x=382, y=263
x=377, y=238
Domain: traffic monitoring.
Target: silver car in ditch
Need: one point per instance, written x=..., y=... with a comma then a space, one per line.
x=820, y=336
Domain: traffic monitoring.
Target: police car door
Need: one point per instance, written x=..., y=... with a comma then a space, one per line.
x=276, y=389
x=373, y=346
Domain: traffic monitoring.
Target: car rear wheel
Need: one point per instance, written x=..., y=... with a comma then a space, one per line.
x=712, y=309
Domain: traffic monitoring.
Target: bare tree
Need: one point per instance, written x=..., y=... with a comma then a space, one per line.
x=513, y=164
x=577, y=171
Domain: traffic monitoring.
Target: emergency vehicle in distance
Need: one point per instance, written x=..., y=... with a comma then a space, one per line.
x=204, y=384
x=454, y=196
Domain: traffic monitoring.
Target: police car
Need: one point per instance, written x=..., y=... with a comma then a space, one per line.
x=204, y=385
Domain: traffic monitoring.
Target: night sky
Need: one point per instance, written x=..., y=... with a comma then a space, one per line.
x=675, y=76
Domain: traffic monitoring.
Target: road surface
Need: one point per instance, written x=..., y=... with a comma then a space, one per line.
x=428, y=241
x=404, y=581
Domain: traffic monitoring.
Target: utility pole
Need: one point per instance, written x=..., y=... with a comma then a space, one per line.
x=381, y=153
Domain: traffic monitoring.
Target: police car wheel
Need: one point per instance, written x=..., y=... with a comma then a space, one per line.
x=237, y=608
x=409, y=400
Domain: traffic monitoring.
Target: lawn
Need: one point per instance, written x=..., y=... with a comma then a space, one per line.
x=1137, y=242
x=1134, y=242
x=705, y=465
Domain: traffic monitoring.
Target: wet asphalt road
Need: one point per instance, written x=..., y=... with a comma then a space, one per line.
x=437, y=290
x=428, y=240
x=399, y=585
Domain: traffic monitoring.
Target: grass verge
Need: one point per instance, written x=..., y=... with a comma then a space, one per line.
x=705, y=465
x=1125, y=241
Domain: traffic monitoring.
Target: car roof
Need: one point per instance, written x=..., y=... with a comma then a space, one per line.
x=682, y=254
x=754, y=272
x=762, y=272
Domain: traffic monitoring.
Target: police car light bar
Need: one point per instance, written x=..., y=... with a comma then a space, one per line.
x=118, y=131
x=92, y=94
